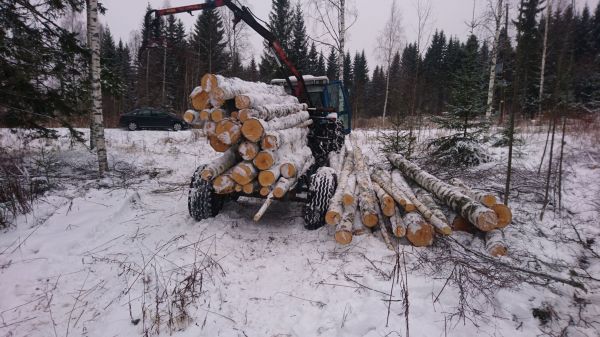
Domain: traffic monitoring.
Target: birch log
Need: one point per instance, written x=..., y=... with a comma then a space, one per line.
x=191, y=116
x=254, y=99
x=383, y=179
x=228, y=131
x=367, y=201
x=205, y=114
x=482, y=217
x=248, y=150
x=264, y=207
x=209, y=128
x=251, y=187
x=343, y=230
x=432, y=212
x=271, y=111
x=487, y=199
x=292, y=163
x=270, y=176
x=349, y=191
x=398, y=225
x=233, y=86
x=220, y=165
x=224, y=184
x=418, y=231
x=272, y=140
x=284, y=185
x=265, y=159
x=461, y=224
x=502, y=211
x=217, y=115
x=217, y=145
x=387, y=203
x=494, y=243
x=335, y=209
x=199, y=99
x=336, y=159
x=244, y=172
x=254, y=129
x=398, y=179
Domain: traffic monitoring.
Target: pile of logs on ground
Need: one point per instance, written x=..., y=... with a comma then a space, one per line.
x=261, y=131
x=409, y=202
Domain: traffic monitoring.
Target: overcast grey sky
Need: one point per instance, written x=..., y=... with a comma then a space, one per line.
x=449, y=15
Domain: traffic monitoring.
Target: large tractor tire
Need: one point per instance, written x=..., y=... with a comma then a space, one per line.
x=320, y=190
x=203, y=202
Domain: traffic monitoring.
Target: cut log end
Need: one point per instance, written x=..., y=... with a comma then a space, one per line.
x=253, y=130
x=238, y=188
x=189, y=116
x=269, y=142
x=498, y=250
x=217, y=115
x=204, y=115
x=400, y=232
x=279, y=192
x=343, y=237
x=489, y=200
x=208, y=82
x=487, y=221
x=421, y=237
x=288, y=170
x=409, y=207
x=264, y=160
x=206, y=175
x=461, y=224
x=370, y=220
x=445, y=230
x=503, y=213
x=332, y=218
x=200, y=101
x=217, y=145
x=248, y=188
x=389, y=206
x=264, y=191
x=266, y=178
x=248, y=150
x=347, y=199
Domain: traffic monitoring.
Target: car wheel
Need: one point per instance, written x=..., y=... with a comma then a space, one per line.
x=177, y=127
x=132, y=126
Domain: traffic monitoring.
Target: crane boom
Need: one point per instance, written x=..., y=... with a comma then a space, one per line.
x=244, y=14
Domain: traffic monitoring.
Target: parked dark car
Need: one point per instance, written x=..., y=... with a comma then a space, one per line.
x=151, y=118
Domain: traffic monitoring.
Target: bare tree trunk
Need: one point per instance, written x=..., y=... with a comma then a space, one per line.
x=492, y=83
x=92, y=128
x=548, y=175
x=560, y=163
x=511, y=137
x=98, y=120
x=544, y=49
x=342, y=35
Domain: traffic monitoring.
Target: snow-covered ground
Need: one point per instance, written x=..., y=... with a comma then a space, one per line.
x=122, y=257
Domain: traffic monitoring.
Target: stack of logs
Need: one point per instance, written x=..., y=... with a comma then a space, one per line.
x=411, y=203
x=261, y=131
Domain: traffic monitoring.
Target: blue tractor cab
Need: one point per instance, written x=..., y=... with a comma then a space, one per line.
x=326, y=96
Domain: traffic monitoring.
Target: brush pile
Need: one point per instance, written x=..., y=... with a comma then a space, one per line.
x=409, y=202
x=260, y=129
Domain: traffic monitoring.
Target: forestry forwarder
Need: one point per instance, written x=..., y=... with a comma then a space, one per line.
x=329, y=110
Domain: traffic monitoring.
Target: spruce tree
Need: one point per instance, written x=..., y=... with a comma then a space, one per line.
x=126, y=74
x=348, y=72
x=433, y=74
x=207, y=43
x=360, y=87
x=467, y=105
x=332, y=65
x=34, y=52
x=299, y=43
x=279, y=25
x=321, y=70
x=528, y=56
x=176, y=44
x=313, y=61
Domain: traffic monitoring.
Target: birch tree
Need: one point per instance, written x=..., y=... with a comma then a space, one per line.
x=497, y=14
x=389, y=43
x=97, y=118
x=332, y=19
x=544, y=49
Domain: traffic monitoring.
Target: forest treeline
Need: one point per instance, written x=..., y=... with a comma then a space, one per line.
x=165, y=62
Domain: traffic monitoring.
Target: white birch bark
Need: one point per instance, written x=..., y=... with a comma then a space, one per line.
x=544, y=50
x=418, y=231
x=244, y=172
x=494, y=243
x=233, y=86
x=432, y=212
x=349, y=191
x=273, y=140
x=98, y=120
x=335, y=210
x=343, y=230
x=271, y=111
x=398, y=225
x=254, y=99
x=292, y=163
x=482, y=217
x=367, y=200
x=220, y=165
x=384, y=180
x=492, y=83
x=254, y=129
x=487, y=199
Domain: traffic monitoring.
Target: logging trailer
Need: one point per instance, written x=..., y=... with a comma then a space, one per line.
x=330, y=113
